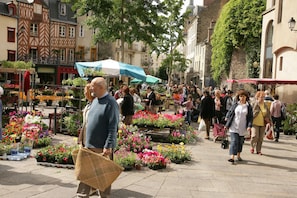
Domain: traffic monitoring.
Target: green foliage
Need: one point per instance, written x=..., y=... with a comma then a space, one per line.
x=75, y=82
x=239, y=26
x=72, y=122
x=168, y=41
x=290, y=124
x=17, y=64
x=125, y=20
x=93, y=72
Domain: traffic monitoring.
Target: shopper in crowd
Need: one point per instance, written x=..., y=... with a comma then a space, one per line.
x=207, y=111
x=261, y=117
x=239, y=122
x=275, y=110
x=218, y=106
x=127, y=107
x=188, y=109
x=150, y=100
x=89, y=96
x=177, y=99
x=137, y=100
x=101, y=128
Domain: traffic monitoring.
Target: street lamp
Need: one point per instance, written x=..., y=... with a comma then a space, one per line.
x=292, y=24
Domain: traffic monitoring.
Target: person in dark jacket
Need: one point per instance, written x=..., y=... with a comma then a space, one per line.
x=239, y=120
x=207, y=111
x=150, y=100
x=127, y=107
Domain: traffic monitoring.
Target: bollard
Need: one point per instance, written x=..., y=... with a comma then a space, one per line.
x=55, y=119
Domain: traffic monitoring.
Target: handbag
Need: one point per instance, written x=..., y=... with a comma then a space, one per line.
x=202, y=125
x=225, y=144
x=269, y=132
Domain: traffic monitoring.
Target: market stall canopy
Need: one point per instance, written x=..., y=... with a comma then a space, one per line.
x=111, y=67
x=263, y=81
x=149, y=79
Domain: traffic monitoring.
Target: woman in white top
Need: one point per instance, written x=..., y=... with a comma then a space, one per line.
x=239, y=122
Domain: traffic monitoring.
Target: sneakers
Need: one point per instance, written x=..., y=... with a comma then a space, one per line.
x=252, y=150
x=259, y=153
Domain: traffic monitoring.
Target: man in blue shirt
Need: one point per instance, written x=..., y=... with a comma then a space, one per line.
x=101, y=128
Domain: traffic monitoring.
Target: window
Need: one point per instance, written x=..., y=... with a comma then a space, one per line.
x=93, y=54
x=71, y=32
x=62, y=31
x=80, y=53
x=11, y=35
x=34, y=29
x=33, y=54
x=62, y=55
x=81, y=31
x=11, y=55
x=281, y=63
x=63, y=9
x=71, y=55
x=268, y=60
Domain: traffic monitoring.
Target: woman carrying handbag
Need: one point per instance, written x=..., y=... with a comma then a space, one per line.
x=261, y=115
x=239, y=121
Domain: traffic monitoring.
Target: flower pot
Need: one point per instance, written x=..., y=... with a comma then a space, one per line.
x=137, y=166
x=156, y=166
x=128, y=168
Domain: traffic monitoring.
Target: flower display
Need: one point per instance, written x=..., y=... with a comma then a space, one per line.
x=26, y=126
x=132, y=140
x=126, y=159
x=177, y=153
x=59, y=154
x=144, y=118
x=153, y=159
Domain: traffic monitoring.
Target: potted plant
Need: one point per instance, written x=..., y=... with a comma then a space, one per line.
x=126, y=159
x=177, y=153
x=153, y=159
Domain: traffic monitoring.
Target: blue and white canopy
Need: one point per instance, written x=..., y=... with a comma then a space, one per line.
x=111, y=67
x=149, y=79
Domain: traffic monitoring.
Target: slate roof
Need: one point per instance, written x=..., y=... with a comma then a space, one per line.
x=3, y=9
x=54, y=12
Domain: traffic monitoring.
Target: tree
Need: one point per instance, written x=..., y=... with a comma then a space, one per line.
x=239, y=26
x=167, y=43
x=126, y=20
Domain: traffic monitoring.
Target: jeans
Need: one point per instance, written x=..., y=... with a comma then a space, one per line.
x=277, y=122
x=236, y=143
x=188, y=117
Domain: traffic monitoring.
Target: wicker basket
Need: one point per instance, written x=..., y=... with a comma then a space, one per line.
x=94, y=169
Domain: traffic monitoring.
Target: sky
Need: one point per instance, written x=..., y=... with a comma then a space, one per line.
x=196, y=2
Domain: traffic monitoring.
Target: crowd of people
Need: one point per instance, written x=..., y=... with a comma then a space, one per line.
x=237, y=112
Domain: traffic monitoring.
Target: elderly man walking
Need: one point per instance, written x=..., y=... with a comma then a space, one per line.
x=102, y=127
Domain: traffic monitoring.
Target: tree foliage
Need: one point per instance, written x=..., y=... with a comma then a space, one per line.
x=126, y=20
x=239, y=26
x=167, y=43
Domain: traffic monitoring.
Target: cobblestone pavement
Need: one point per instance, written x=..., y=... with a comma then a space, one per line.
x=209, y=174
